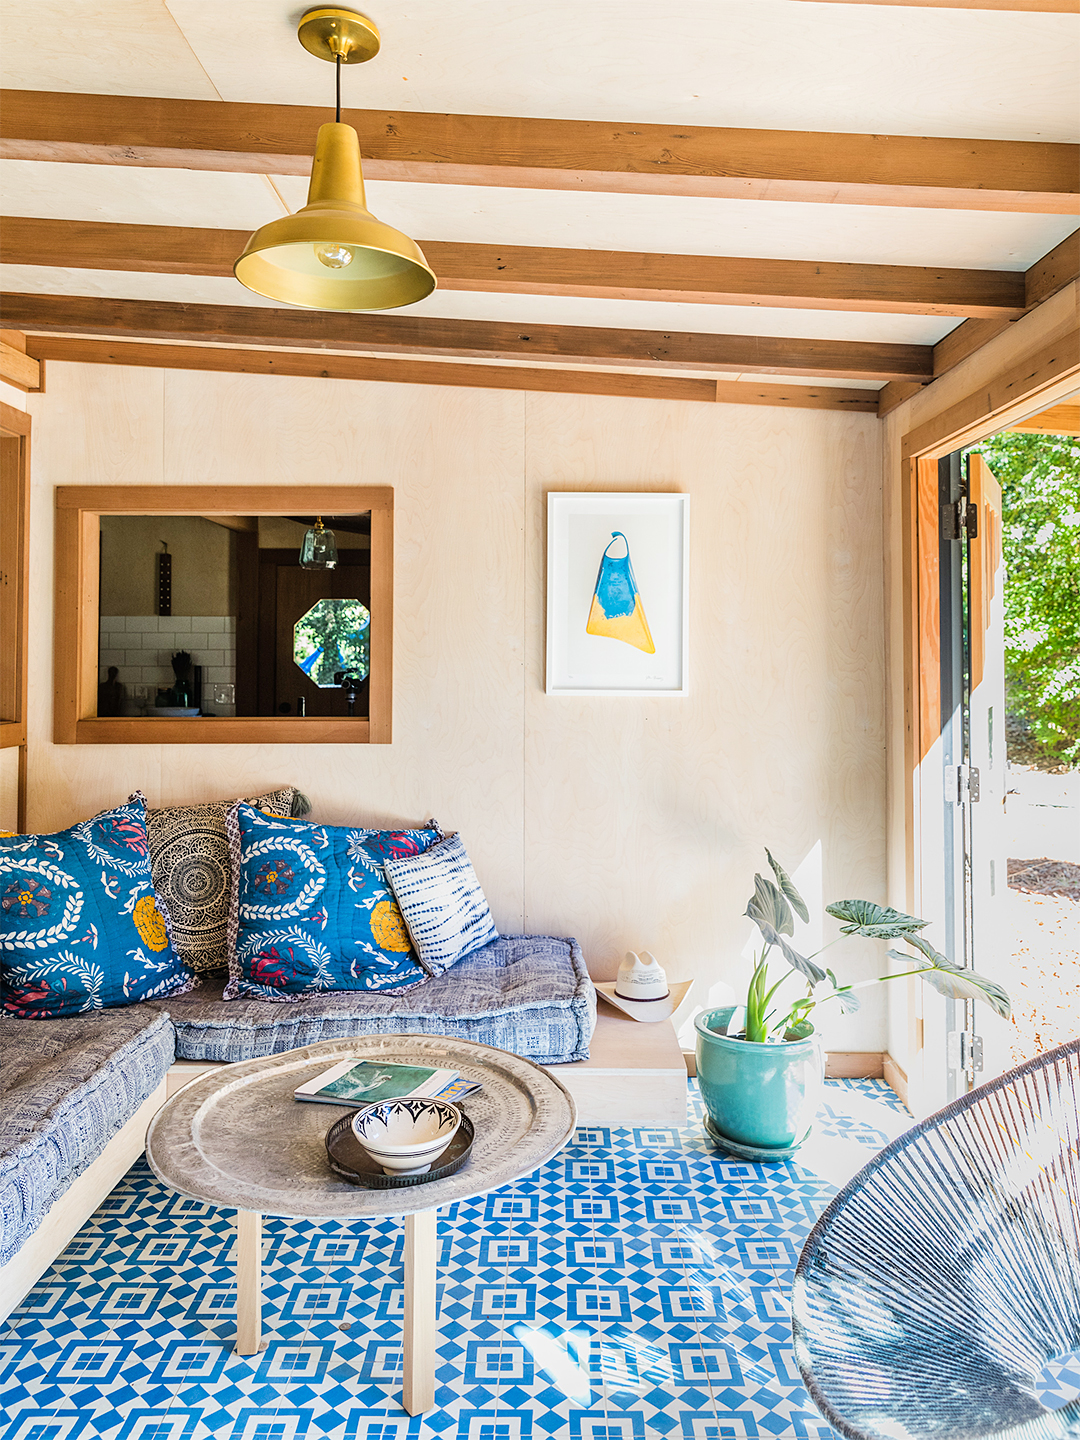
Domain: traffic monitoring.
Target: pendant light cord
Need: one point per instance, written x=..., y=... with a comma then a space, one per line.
x=337, y=77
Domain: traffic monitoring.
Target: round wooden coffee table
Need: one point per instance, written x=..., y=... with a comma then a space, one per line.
x=236, y=1137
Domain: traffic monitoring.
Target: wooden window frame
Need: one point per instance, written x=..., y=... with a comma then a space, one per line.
x=15, y=565
x=14, y=601
x=78, y=512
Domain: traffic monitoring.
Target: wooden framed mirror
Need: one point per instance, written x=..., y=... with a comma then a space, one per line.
x=185, y=616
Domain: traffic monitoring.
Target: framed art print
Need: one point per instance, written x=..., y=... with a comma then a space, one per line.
x=617, y=594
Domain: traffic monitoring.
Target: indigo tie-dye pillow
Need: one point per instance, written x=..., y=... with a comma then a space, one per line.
x=80, y=924
x=445, y=910
x=311, y=910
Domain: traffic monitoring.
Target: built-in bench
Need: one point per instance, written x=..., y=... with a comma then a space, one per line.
x=635, y=1076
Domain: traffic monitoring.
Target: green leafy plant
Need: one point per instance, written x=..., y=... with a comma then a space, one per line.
x=1040, y=496
x=773, y=907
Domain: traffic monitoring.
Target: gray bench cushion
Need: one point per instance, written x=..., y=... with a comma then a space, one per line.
x=66, y=1087
x=530, y=994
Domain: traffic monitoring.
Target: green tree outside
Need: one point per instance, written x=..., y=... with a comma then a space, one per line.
x=1040, y=487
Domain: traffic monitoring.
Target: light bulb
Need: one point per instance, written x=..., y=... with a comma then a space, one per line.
x=334, y=257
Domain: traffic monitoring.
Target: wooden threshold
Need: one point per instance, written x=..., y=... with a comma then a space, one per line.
x=627, y=157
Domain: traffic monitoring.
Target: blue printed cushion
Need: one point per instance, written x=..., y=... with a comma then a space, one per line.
x=444, y=907
x=311, y=910
x=80, y=924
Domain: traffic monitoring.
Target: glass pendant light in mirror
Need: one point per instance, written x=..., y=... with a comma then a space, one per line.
x=319, y=550
x=334, y=254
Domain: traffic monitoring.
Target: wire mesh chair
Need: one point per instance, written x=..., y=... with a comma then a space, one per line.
x=943, y=1277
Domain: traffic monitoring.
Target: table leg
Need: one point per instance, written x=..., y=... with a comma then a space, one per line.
x=418, y=1390
x=249, y=1339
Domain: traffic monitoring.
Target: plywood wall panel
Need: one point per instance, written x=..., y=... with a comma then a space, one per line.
x=9, y=788
x=647, y=817
x=455, y=462
x=627, y=822
x=94, y=426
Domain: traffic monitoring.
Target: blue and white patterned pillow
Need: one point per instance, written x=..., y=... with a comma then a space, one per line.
x=442, y=902
x=311, y=910
x=80, y=925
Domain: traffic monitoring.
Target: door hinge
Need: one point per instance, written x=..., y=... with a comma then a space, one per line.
x=958, y=519
x=967, y=784
x=964, y=1052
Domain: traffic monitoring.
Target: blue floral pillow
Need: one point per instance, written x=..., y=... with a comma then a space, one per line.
x=80, y=925
x=311, y=908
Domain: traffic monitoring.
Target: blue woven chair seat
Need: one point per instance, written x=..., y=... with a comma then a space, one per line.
x=944, y=1276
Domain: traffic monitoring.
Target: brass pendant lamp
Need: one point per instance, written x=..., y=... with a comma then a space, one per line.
x=333, y=254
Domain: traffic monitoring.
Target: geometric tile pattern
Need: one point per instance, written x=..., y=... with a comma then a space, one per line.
x=636, y=1286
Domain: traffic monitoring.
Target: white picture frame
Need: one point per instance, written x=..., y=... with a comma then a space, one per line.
x=588, y=651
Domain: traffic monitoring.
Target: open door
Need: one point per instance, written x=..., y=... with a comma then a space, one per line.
x=989, y=948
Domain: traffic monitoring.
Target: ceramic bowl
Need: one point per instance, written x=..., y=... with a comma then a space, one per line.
x=406, y=1136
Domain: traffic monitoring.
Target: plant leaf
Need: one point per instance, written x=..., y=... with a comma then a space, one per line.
x=799, y=1031
x=878, y=922
x=770, y=907
x=925, y=948
x=953, y=982
x=849, y=1001
x=812, y=972
x=783, y=879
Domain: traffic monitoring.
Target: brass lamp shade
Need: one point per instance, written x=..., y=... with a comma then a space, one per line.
x=365, y=264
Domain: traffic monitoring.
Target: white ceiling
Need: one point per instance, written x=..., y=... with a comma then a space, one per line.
x=779, y=64
x=768, y=64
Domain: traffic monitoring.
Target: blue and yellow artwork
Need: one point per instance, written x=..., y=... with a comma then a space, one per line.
x=617, y=611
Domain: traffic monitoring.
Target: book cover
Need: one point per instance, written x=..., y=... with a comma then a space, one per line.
x=363, y=1082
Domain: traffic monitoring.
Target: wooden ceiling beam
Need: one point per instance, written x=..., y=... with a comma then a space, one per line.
x=431, y=335
x=420, y=372
x=527, y=270
x=1058, y=268
x=844, y=169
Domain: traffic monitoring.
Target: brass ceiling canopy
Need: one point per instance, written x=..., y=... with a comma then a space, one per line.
x=334, y=254
x=329, y=31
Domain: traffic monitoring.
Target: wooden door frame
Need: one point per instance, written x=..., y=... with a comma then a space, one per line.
x=78, y=512
x=1028, y=386
x=14, y=614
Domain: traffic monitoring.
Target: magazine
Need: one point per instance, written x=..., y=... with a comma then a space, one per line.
x=364, y=1082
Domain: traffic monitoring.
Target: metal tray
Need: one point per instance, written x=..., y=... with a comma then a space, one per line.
x=349, y=1158
x=235, y=1136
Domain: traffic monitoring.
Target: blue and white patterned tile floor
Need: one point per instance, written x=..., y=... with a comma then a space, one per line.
x=635, y=1286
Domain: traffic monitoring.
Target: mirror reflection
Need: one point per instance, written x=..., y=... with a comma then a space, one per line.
x=201, y=616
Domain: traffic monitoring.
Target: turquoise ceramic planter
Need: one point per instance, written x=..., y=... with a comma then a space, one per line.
x=760, y=1098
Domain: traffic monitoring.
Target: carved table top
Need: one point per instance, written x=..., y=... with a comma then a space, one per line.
x=236, y=1137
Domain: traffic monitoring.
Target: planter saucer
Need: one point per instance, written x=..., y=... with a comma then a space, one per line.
x=752, y=1152
x=649, y=1011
